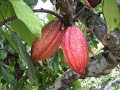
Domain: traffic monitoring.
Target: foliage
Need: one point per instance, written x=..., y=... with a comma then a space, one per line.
x=18, y=72
x=112, y=15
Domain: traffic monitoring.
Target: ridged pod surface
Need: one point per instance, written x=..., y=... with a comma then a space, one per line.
x=47, y=45
x=75, y=49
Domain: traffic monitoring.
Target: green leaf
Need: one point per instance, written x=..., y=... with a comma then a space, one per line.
x=9, y=38
x=20, y=28
x=31, y=3
x=76, y=85
x=3, y=54
x=61, y=58
x=111, y=12
x=27, y=87
x=95, y=43
x=91, y=53
x=6, y=74
x=6, y=9
x=25, y=56
x=53, y=63
x=50, y=17
x=21, y=82
x=25, y=14
x=13, y=85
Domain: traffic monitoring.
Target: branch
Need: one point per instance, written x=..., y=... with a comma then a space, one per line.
x=94, y=23
x=78, y=14
x=64, y=81
x=109, y=85
x=100, y=64
x=7, y=20
x=67, y=10
x=49, y=11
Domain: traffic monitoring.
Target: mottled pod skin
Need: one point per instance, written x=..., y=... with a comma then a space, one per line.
x=75, y=49
x=47, y=45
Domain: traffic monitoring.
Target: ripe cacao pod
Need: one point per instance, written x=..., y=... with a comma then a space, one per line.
x=47, y=45
x=75, y=49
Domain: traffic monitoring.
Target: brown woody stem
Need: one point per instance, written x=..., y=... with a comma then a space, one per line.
x=49, y=11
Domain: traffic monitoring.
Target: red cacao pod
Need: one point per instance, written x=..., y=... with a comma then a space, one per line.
x=75, y=49
x=47, y=45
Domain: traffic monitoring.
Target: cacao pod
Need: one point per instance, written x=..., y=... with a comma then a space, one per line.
x=75, y=49
x=47, y=45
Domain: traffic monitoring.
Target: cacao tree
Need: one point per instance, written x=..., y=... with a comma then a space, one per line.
x=73, y=46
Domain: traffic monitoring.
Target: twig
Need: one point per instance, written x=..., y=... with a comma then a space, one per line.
x=49, y=11
x=109, y=85
x=7, y=20
x=78, y=14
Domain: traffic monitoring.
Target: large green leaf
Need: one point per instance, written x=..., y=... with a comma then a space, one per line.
x=112, y=14
x=25, y=56
x=6, y=9
x=25, y=14
x=20, y=28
